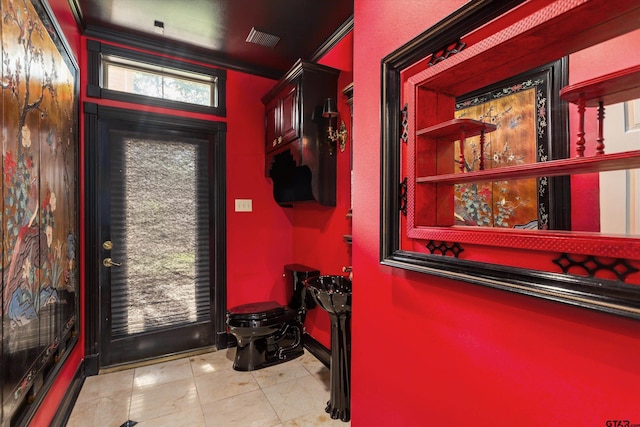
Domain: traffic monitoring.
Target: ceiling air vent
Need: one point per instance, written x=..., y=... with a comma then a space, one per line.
x=263, y=39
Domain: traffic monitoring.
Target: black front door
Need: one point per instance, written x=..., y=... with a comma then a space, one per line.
x=157, y=223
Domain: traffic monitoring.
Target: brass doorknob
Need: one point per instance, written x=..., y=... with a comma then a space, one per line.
x=107, y=245
x=108, y=262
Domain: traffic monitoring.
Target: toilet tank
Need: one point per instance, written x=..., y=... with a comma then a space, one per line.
x=295, y=275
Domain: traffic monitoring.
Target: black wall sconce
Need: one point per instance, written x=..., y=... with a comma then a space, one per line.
x=339, y=135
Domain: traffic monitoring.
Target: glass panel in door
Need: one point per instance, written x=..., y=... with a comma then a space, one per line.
x=157, y=256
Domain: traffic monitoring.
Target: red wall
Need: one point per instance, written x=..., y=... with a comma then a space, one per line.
x=434, y=352
x=318, y=231
x=258, y=242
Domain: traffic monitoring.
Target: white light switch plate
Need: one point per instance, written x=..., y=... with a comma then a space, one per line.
x=244, y=205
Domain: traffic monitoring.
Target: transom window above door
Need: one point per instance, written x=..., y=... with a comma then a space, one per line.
x=139, y=78
x=142, y=78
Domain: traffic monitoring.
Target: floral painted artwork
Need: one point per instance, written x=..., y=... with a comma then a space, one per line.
x=39, y=189
x=520, y=113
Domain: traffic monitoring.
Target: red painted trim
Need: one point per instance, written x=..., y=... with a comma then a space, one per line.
x=52, y=400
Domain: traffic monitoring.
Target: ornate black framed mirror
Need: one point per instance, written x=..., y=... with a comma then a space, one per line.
x=460, y=105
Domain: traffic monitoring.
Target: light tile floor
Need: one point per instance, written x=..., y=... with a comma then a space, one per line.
x=205, y=391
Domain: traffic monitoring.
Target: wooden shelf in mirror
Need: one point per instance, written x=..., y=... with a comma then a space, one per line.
x=608, y=89
x=612, y=88
x=561, y=167
x=458, y=130
x=454, y=129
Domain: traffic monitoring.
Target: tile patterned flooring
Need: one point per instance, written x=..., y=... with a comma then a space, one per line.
x=204, y=390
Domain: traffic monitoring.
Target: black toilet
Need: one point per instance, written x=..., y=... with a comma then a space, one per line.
x=267, y=332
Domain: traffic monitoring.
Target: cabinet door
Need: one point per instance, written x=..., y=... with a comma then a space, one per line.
x=272, y=128
x=290, y=128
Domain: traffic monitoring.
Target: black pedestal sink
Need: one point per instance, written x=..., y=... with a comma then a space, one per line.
x=333, y=294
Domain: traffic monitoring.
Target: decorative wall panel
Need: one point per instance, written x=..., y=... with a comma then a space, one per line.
x=39, y=201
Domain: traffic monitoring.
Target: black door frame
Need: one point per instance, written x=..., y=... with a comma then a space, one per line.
x=96, y=117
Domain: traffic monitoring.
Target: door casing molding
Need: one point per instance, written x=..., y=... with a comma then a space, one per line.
x=94, y=115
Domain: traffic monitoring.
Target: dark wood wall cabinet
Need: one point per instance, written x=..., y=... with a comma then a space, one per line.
x=298, y=157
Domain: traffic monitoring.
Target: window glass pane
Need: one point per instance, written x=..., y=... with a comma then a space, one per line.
x=135, y=81
x=161, y=85
x=159, y=210
x=118, y=78
x=187, y=91
x=147, y=84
